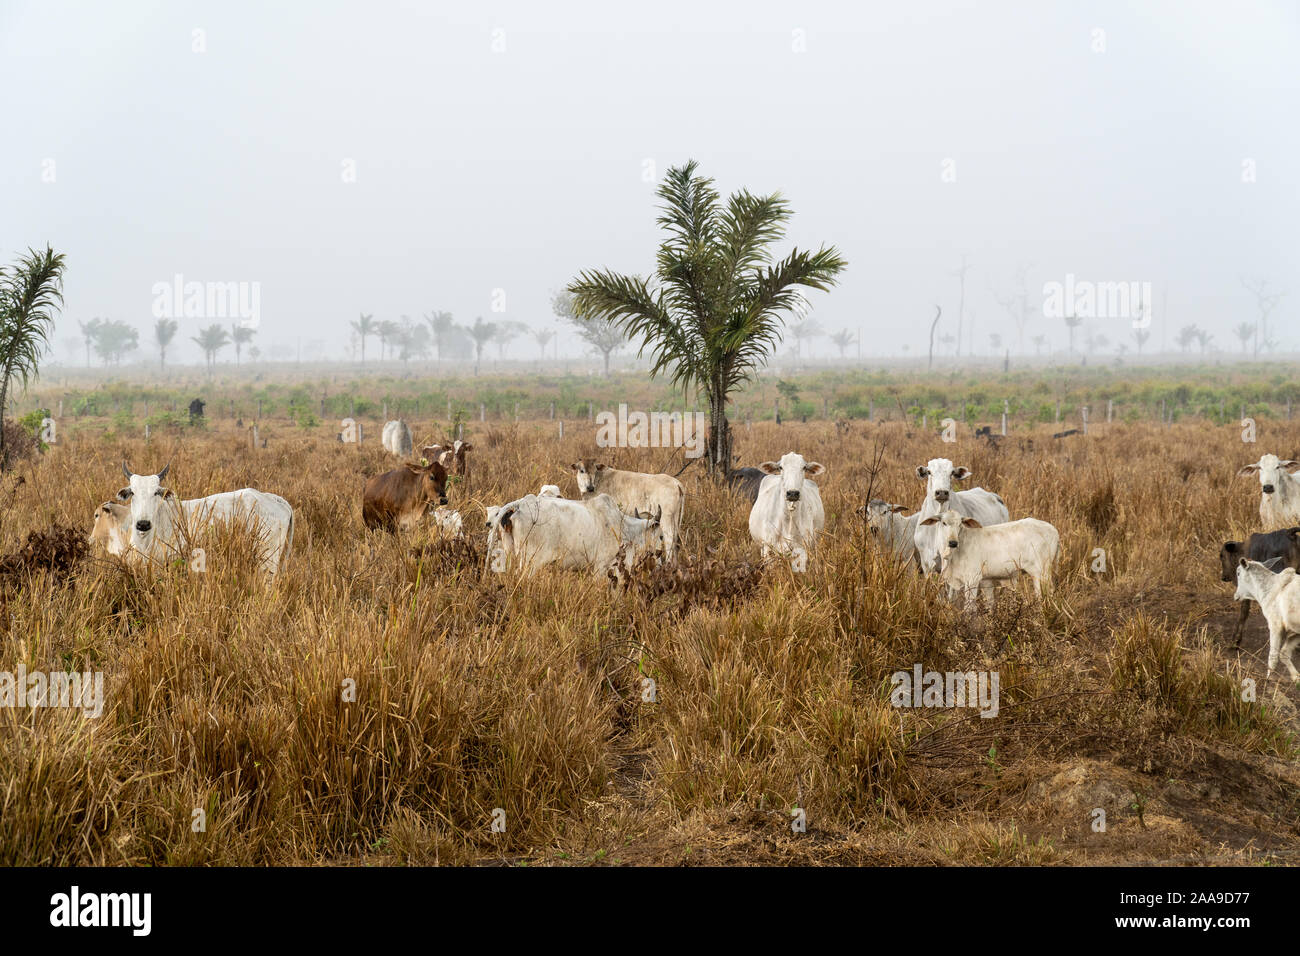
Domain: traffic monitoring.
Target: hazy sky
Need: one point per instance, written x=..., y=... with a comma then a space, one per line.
x=505, y=146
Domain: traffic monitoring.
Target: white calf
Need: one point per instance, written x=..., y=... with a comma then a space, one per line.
x=788, y=514
x=893, y=529
x=984, y=506
x=977, y=557
x=1279, y=598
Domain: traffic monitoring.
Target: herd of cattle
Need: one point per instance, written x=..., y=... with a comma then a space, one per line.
x=965, y=537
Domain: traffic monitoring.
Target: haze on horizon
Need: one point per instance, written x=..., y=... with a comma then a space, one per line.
x=499, y=151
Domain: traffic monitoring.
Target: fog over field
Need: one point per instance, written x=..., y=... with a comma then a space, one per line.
x=398, y=159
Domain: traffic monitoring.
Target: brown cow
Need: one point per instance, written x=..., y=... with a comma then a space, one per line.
x=451, y=457
x=401, y=497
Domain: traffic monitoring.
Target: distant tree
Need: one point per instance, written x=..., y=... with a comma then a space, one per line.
x=1245, y=331
x=364, y=327
x=543, y=338
x=31, y=291
x=947, y=339
x=211, y=340
x=805, y=329
x=1016, y=303
x=164, y=330
x=240, y=335
x=441, y=325
x=1203, y=338
x=1039, y=341
x=88, y=332
x=113, y=339
x=995, y=342
x=605, y=337
x=1072, y=322
x=481, y=332
x=1140, y=336
x=1186, y=336
x=388, y=331
x=506, y=333
x=1265, y=303
x=844, y=340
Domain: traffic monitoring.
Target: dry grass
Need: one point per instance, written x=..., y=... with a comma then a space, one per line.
x=476, y=691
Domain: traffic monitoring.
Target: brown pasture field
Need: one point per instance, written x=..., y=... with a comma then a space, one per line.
x=477, y=692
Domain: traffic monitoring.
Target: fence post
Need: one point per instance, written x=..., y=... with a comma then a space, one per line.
x=1110, y=409
x=1085, y=419
x=1006, y=409
x=552, y=411
x=561, y=429
x=482, y=412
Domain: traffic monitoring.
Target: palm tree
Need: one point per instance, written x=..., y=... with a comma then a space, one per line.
x=1072, y=322
x=543, y=338
x=88, y=332
x=212, y=340
x=1186, y=336
x=440, y=324
x=481, y=332
x=1245, y=331
x=1039, y=341
x=240, y=335
x=388, y=331
x=1203, y=339
x=1140, y=336
x=365, y=326
x=843, y=340
x=715, y=307
x=805, y=328
x=164, y=331
x=30, y=292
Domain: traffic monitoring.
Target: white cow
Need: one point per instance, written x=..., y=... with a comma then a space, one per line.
x=984, y=506
x=549, y=491
x=893, y=529
x=788, y=514
x=448, y=522
x=575, y=535
x=635, y=492
x=397, y=439
x=496, y=552
x=1279, y=598
x=1279, y=500
x=159, y=524
x=976, y=557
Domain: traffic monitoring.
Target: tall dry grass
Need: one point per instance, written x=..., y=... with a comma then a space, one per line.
x=477, y=692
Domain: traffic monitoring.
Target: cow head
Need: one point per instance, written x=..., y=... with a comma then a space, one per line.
x=433, y=479
x=951, y=524
x=793, y=470
x=1248, y=573
x=549, y=491
x=654, y=530
x=1228, y=555
x=938, y=475
x=149, y=505
x=109, y=530
x=878, y=512
x=1272, y=472
x=589, y=473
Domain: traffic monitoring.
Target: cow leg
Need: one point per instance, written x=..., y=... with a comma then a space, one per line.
x=1241, y=623
x=1274, y=648
x=1288, y=649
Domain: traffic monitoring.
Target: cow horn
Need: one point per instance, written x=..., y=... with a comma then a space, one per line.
x=126, y=470
x=163, y=474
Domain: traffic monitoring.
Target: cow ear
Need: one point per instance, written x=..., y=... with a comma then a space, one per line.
x=1230, y=547
x=1247, y=470
x=813, y=468
x=1241, y=563
x=124, y=493
x=169, y=495
x=415, y=469
x=971, y=523
x=1288, y=464
x=466, y=447
x=933, y=519
x=961, y=474
x=770, y=468
x=922, y=472
x=600, y=466
x=898, y=508
x=576, y=465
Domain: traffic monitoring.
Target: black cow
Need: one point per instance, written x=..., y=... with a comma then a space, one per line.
x=745, y=482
